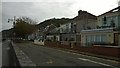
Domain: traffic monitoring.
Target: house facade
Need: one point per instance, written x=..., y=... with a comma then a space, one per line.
x=67, y=32
x=88, y=29
x=97, y=36
x=71, y=31
x=84, y=20
x=53, y=35
x=109, y=19
x=106, y=31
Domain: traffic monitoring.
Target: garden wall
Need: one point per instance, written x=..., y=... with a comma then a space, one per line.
x=100, y=50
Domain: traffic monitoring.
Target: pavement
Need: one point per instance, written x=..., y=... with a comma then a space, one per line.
x=45, y=56
x=0, y=49
x=5, y=53
x=22, y=57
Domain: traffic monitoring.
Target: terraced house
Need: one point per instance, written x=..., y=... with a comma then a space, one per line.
x=70, y=32
x=87, y=29
x=107, y=31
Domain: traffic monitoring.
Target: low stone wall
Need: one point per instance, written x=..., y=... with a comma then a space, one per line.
x=23, y=59
x=100, y=50
x=56, y=44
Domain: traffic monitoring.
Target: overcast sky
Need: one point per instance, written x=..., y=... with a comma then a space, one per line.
x=41, y=10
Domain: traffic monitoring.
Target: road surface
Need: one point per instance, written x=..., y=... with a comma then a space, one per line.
x=45, y=56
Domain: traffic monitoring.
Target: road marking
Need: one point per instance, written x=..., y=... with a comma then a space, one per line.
x=7, y=48
x=22, y=57
x=99, y=58
x=97, y=62
x=90, y=56
x=49, y=61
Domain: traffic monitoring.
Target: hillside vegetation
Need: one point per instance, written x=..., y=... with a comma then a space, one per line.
x=53, y=21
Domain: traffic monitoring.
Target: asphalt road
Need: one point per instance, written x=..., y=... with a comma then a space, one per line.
x=45, y=56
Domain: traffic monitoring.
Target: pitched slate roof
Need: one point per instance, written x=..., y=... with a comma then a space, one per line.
x=117, y=9
x=83, y=15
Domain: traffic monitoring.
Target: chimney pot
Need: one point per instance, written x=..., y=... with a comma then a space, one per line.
x=80, y=12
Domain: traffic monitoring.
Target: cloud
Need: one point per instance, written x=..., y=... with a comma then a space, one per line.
x=96, y=7
x=11, y=9
x=35, y=10
x=46, y=9
x=54, y=9
x=38, y=0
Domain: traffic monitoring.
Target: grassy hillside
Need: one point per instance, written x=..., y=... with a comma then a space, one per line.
x=54, y=21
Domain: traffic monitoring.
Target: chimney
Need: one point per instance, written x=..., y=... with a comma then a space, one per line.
x=80, y=12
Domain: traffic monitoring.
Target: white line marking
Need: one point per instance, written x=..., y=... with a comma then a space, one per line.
x=91, y=56
x=97, y=62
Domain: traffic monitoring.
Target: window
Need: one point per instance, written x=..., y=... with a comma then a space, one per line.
x=66, y=39
x=57, y=38
x=88, y=27
x=97, y=38
x=71, y=39
x=87, y=40
x=112, y=24
x=92, y=38
x=103, y=38
x=104, y=20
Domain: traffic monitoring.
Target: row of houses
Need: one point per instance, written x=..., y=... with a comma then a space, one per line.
x=88, y=29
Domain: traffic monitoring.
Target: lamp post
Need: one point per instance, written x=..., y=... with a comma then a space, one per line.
x=14, y=22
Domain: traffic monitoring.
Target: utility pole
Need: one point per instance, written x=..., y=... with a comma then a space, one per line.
x=14, y=22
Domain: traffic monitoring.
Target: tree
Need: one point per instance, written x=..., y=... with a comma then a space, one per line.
x=24, y=26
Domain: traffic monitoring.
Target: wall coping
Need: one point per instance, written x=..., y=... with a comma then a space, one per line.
x=107, y=46
x=22, y=58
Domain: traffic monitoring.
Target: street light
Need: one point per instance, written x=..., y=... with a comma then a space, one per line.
x=13, y=20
